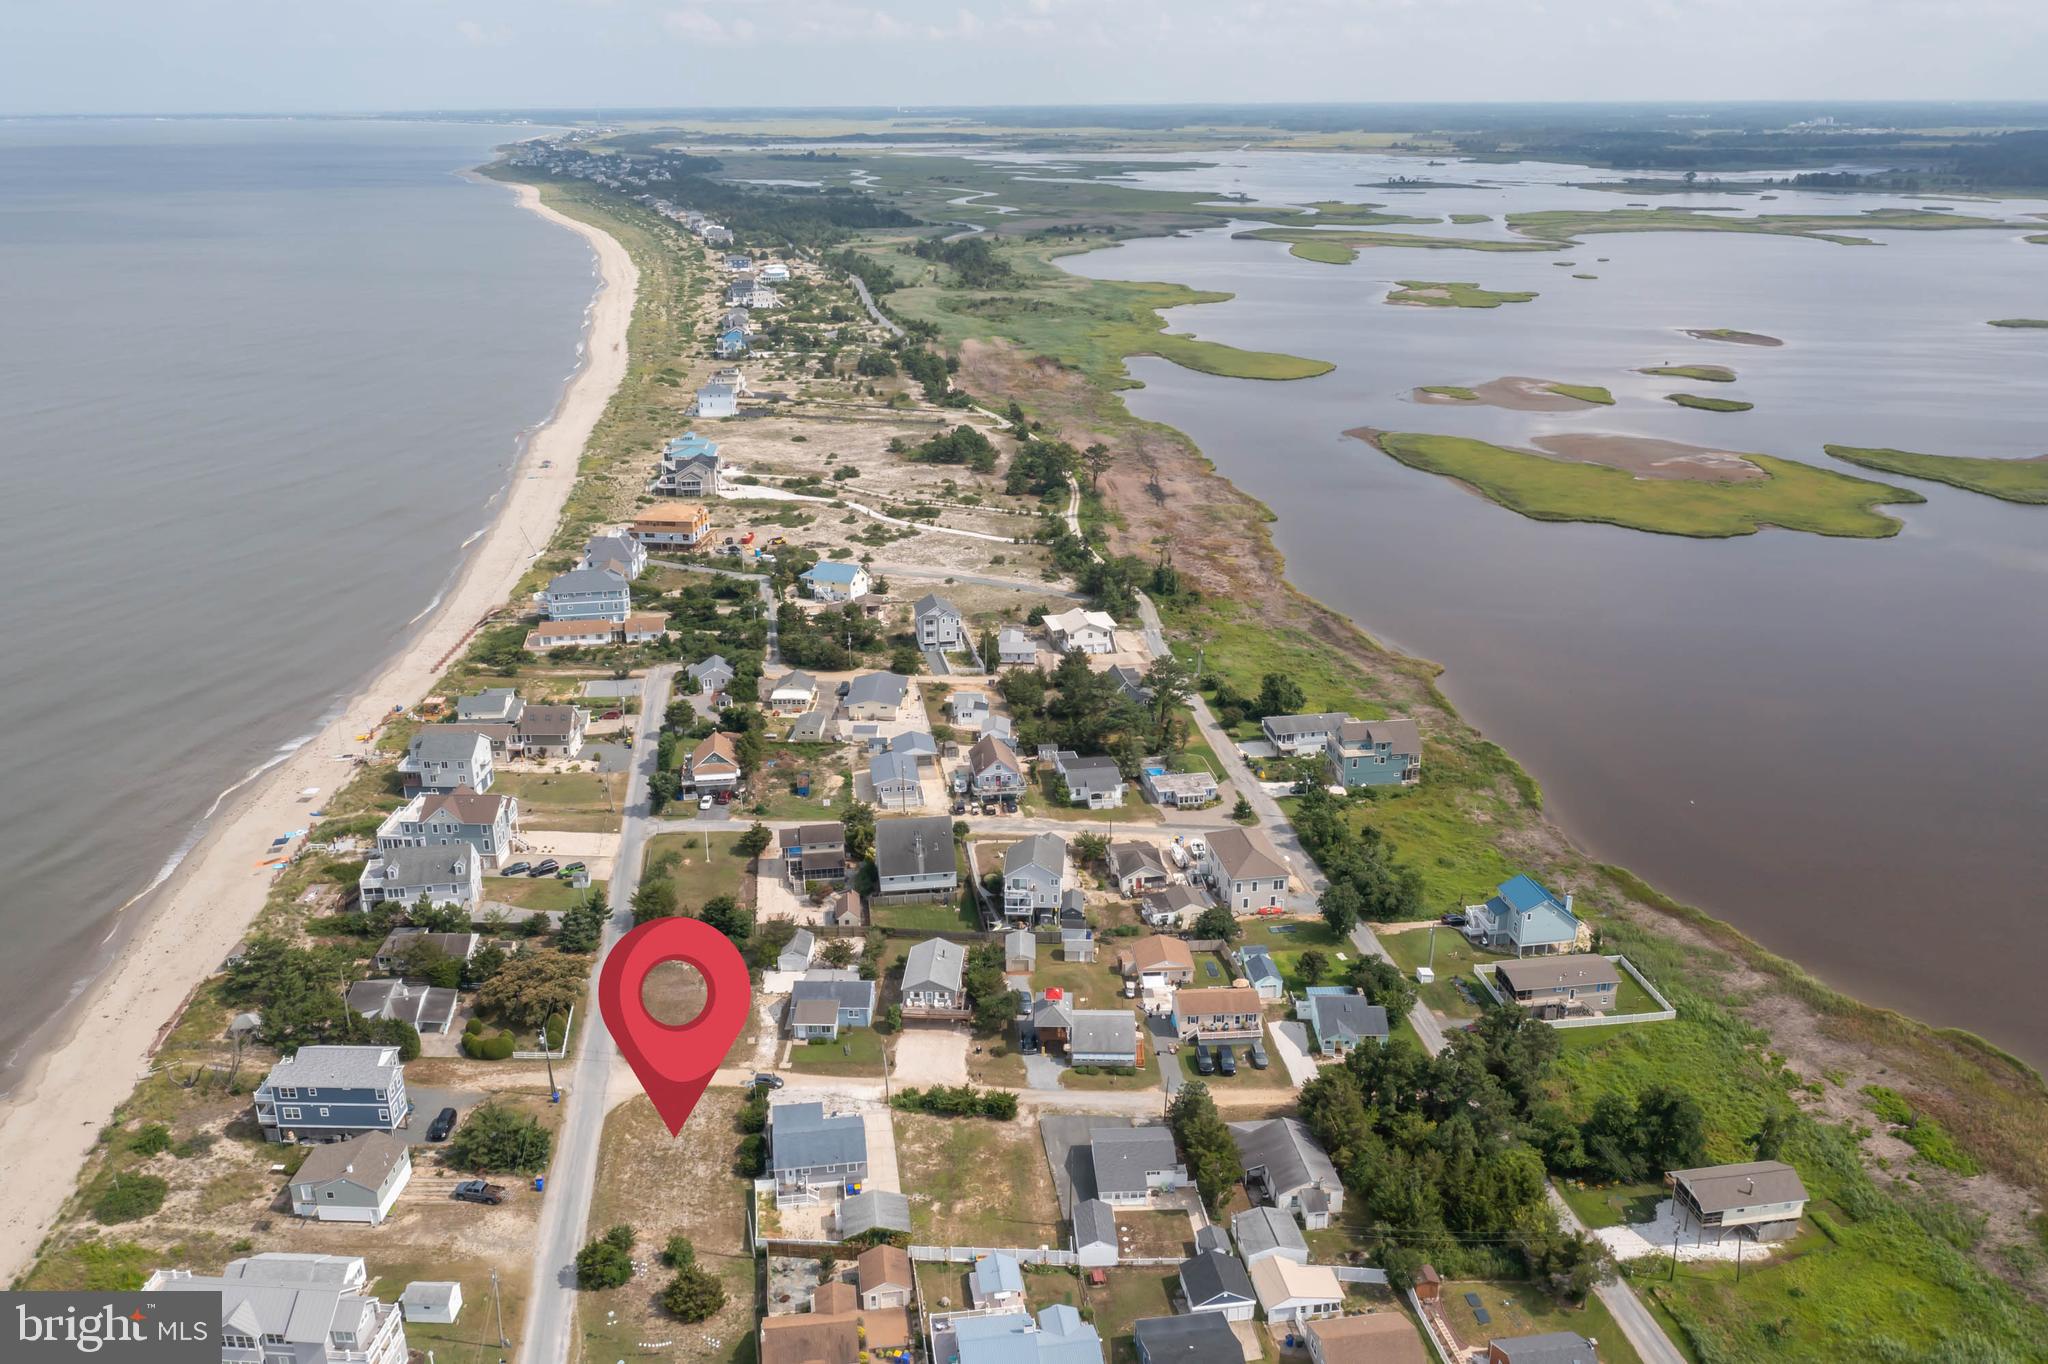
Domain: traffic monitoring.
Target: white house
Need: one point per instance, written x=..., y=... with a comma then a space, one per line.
x=1015, y=649
x=356, y=1180
x=717, y=400
x=447, y=758
x=485, y=822
x=306, y=1309
x=445, y=874
x=1088, y=632
x=837, y=580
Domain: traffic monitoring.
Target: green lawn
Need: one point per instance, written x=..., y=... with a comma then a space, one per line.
x=857, y=1052
x=1131, y=1293
x=582, y=802
x=1413, y=240
x=1457, y=392
x=1794, y=496
x=1454, y=958
x=703, y=865
x=1287, y=939
x=1089, y=984
x=944, y=917
x=1146, y=1078
x=1612, y=1205
x=1563, y=226
x=2013, y=480
x=1700, y=404
x=1524, y=1309
x=537, y=892
x=1427, y=293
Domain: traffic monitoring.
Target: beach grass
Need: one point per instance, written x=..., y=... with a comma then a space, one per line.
x=2012, y=480
x=1526, y=1309
x=1452, y=294
x=1327, y=253
x=1457, y=391
x=1793, y=496
x=1585, y=393
x=1706, y=374
x=1695, y=401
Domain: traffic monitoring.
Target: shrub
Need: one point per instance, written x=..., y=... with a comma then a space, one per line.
x=692, y=1295
x=127, y=1196
x=498, y=1140
x=603, y=1264
x=750, y=1160
x=150, y=1139
x=475, y=1025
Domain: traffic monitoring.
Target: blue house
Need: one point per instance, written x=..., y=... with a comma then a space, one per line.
x=1527, y=920
x=732, y=343
x=1374, y=752
x=329, y=1093
x=1342, y=1018
x=837, y=580
x=1255, y=964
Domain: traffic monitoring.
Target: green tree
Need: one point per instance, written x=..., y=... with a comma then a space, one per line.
x=1312, y=966
x=606, y=1262
x=654, y=898
x=1242, y=812
x=729, y=917
x=1773, y=1133
x=694, y=1294
x=534, y=984
x=1340, y=903
x=500, y=1140
x=583, y=923
x=994, y=1002
x=1383, y=983
x=754, y=841
x=1279, y=694
x=1205, y=1140
x=662, y=788
x=1217, y=922
x=858, y=820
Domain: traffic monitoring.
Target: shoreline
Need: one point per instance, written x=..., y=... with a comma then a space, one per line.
x=188, y=924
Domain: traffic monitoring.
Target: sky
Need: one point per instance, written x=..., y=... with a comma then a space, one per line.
x=209, y=56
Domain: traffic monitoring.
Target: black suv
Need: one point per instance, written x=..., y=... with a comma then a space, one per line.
x=442, y=1125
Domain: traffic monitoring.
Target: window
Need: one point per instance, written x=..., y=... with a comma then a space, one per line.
x=287, y=1093
x=323, y=1112
x=383, y=1115
x=312, y=1093
x=288, y=1114
x=236, y=1342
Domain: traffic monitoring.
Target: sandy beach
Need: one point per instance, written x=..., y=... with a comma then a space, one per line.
x=191, y=923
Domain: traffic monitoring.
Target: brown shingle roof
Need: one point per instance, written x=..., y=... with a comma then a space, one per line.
x=883, y=1266
x=1227, y=999
x=1245, y=855
x=1375, y=1338
x=830, y=1337
x=715, y=747
x=1582, y=969
x=367, y=1159
x=836, y=1296
x=466, y=806
x=1158, y=953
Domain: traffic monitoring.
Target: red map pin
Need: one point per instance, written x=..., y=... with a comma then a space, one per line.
x=675, y=1062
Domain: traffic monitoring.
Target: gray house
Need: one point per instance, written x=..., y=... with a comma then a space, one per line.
x=826, y=1001
x=445, y=874
x=712, y=675
x=352, y=1181
x=485, y=822
x=1095, y=1235
x=617, y=551
x=1215, y=1282
x=587, y=594
x=429, y=1008
x=1266, y=1231
x=391, y=952
x=1342, y=1019
x=551, y=731
x=914, y=859
x=932, y=975
x=1188, y=1338
x=328, y=1093
x=1034, y=869
x=873, y=1209
x=1569, y=986
x=894, y=779
x=1014, y=648
x=796, y=953
x=993, y=767
x=1094, y=782
x=1102, y=1037
x=875, y=696
x=498, y=705
x=1133, y=1163
x=809, y=1151
x=295, y=1309
x=939, y=623
x=442, y=758
x=1286, y=1168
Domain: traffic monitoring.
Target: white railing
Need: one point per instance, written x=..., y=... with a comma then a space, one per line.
x=1664, y=1013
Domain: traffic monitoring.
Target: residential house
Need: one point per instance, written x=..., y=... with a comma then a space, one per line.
x=1246, y=871
x=391, y=953
x=1301, y=735
x=1764, y=1196
x=1034, y=871
x=793, y=693
x=993, y=767
x=498, y=705
x=435, y=1302
x=1218, y=1014
x=1191, y=1338
x=812, y=727
x=356, y=1180
x=754, y=294
x=809, y=1150
x=716, y=401
x=814, y=852
x=1136, y=868
x=996, y=1281
x=1159, y=963
x=1104, y=1037
x=1020, y=952
x=774, y=272
x=714, y=764
x=1095, y=1243
x=893, y=778
x=1571, y=986
x=1527, y=920
x=429, y=1008
x=551, y=731
x=572, y=634
x=796, y=953
x=1052, y=1020
x=875, y=696
x=965, y=708
x=445, y=874
x=1131, y=1164
x=939, y=624
x=487, y=823
x=295, y=1309
x=672, y=525
x=1094, y=782
x=736, y=317
x=328, y=1093
x=1265, y=1231
x=587, y=594
x=1056, y=1335
x=1174, y=907
x=843, y=910
x=712, y=675
x=732, y=343
x=1375, y=753
x=737, y=263
x=1177, y=790
x=1212, y=1281
x=1551, y=1347
x=689, y=468
x=825, y=1002
x=991, y=725
x=873, y=1210
x=932, y=980
x=443, y=759
x=1341, y=1018
x=1015, y=649
x=837, y=580
x=1130, y=682
x=1076, y=944
x=1255, y=965
x=884, y=1277
x=837, y=1330
x=914, y=859
x=1286, y=1168
x=1371, y=1338
x=1081, y=631
x=617, y=553
x=1291, y=1293
x=643, y=627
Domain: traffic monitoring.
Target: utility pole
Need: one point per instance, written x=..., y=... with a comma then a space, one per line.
x=498, y=1307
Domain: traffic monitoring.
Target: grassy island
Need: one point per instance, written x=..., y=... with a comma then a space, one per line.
x=1467, y=219
x=1694, y=400
x=1783, y=493
x=1424, y=293
x=1566, y=226
x=2039, y=238
x=1732, y=336
x=1453, y=392
x=2019, y=322
x=1585, y=393
x=2011, y=480
x=1705, y=374
x=1363, y=239
x=1326, y=253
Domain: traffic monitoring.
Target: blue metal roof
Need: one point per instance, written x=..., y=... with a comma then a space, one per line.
x=1523, y=894
x=998, y=1273
x=830, y=571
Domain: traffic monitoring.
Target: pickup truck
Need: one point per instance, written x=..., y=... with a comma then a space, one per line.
x=477, y=1191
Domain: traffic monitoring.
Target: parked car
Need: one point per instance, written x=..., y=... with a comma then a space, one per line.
x=1205, y=1060
x=1257, y=1052
x=959, y=807
x=704, y=802
x=442, y=1125
x=1028, y=1044
x=515, y=869
x=1226, y=1060
x=572, y=868
x=766, y=1080
x=1453, y=920
x=477, y=1191
x=545, y=866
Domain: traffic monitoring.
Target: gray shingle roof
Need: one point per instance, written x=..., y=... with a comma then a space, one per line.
x=1262, y=1229
x=1212, y=1277
x=930, y=602
x=1038, y=850
x=1347, y=1018
x=914, y=847
x=431, y=865
x=584, y=581
x=337, y=1068
x=1552, y=1347
x=1094, y=1224
x=1190, y=1338
x=873, y=1208
x=1719, y=1188
x=1123, y=1156
x=368, y=1160
x=1104, y=1032
x=801, y=1137
x=1289, y=1155
x=884, y=689
x=933, y=964
x=844, y=993
x=445, y=744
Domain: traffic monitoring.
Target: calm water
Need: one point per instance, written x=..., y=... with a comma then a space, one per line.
x=259, y=383
x=1837, y=745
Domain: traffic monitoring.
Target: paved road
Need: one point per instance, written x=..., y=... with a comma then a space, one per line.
x=867, y=300
x=1643, y=1330
x=550, y=1330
